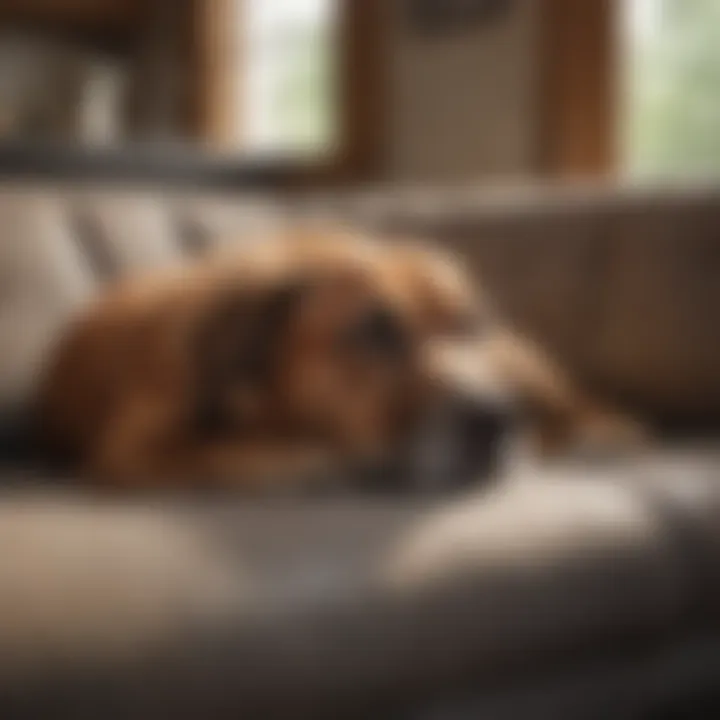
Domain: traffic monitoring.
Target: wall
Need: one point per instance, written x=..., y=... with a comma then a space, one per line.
x=463, y=106
x=51, y=90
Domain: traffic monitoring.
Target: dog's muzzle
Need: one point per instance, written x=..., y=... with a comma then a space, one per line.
x=463, y=435
x=462, y=442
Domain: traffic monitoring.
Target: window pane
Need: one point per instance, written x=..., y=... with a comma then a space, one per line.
x=289, y=61
x=671, y=117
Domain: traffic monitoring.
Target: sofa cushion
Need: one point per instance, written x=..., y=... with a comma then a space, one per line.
x=341, y=606
x=60, y=245
x=45, y=278
x=682, y=485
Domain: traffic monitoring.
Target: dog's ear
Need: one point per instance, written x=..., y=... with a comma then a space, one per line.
x=442, y=289
x=237, y=350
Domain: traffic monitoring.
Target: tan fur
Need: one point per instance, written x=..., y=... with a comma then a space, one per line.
x=121, y=391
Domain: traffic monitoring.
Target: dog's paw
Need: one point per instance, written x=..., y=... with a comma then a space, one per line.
x=597, y=435
x=607, y=435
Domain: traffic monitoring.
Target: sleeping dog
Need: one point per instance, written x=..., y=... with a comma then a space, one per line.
x=309, y=355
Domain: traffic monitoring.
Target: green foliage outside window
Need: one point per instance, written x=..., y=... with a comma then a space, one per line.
x=672, y=109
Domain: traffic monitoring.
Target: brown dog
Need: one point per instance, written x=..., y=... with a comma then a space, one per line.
x=303, y=354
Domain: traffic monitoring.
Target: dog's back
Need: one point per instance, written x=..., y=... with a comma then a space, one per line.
x=112, y=347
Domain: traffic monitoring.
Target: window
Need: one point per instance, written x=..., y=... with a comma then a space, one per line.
x=671, y=106
x=286, y=92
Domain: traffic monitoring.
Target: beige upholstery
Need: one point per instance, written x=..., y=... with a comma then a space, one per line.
x=620, y=285
x=325, y=610
x=58, y=247
x=219, y=610
x=334, y=603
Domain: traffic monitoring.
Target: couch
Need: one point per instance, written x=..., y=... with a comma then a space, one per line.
x=577, y=590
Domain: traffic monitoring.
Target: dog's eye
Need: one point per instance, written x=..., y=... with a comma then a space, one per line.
x=380, y=333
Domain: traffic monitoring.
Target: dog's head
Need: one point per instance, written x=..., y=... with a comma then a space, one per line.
x=372, y=351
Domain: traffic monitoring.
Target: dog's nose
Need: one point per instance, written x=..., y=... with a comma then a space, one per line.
x=482, y=427
x=461, y=445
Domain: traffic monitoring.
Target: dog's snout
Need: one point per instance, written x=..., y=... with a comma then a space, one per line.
x=461, y=444
x=482, y=427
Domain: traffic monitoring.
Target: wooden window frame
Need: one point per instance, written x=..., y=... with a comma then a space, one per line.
x=578, y=90
x=362, y=70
